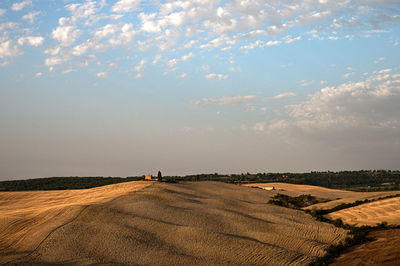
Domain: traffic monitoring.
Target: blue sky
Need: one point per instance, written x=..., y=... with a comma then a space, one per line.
x=131, y=87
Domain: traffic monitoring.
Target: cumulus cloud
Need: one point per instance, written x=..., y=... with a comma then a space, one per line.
x=7, y=49
x=187, y=56
x=123, y=6
x=20, y=5
x=2, y=12
x=30, y=17
x=52, y=61
x=213, y=76
x=31, y=40
x=38, y=75
x=368, y=107
x=224, y=100
x=66, y=34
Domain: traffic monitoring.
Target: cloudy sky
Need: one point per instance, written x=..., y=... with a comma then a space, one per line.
x=130, y=87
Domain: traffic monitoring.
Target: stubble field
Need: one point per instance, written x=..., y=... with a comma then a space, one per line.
x=174, y=224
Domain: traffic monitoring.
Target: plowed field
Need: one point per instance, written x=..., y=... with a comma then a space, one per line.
x=386, y=210
x=384, y=250
x=204, y=223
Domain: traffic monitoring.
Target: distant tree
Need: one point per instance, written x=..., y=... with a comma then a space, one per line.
x=159, y=176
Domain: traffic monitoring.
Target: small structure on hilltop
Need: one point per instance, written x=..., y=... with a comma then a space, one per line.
x=269, y=188
x=153, y=178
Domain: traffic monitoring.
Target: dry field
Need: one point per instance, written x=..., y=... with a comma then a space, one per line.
x=353, y=197
x=386, y=210
x=297, y=190
x=177, y=224
x=383, y=251
x=26, y=218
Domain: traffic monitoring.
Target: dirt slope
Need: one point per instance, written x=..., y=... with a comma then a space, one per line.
x=387, y=210
x=26, y=218
x=383, y=251
x=185, y=224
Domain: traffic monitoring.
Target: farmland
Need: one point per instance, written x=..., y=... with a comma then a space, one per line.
x=185, y=223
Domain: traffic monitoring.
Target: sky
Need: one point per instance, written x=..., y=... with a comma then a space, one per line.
x=130, y=87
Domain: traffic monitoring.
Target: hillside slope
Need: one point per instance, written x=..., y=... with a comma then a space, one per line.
x=26, y=218
x=188, y=223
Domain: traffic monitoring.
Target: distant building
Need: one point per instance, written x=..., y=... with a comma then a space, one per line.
x=148, y=177
x=269, y=188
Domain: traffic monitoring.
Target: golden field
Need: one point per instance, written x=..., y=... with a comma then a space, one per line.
x=188, y=223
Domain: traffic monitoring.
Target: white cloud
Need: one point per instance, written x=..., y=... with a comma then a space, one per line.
x=172, y=63
x=305, y=83
x=69, y=70
x=333, y=38
x=82, y=48
x=385, y=71
x=66, y=35
x=5, y=63
x=20, y=5
x=156, y=59
x=52, y=61
x=8, y=50
x=30, y=17
x=53, y=50
x=2, y=12
x=187, y=56
x=182, y=76
x=289, y=39
x=101, y=74
x=8, y=25
x=259, y=44
x=31, y=40
x=285, y=95
x=213, y=76
x=38, y=75
x=224, y=100
x=140, y=66
x=106, y=31
x=347, y=75
x=123, y=6
x=379, y=60
x=366, y=106
x=80, y=11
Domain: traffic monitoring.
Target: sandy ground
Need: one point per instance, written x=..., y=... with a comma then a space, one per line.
x=383, y=251
x=203, y=223
x=26, y=218
x=386, y=210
